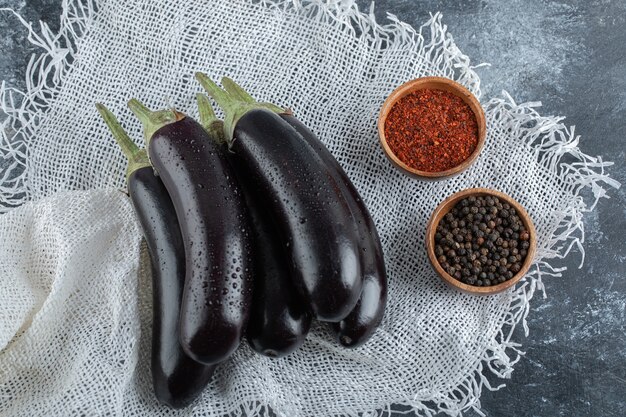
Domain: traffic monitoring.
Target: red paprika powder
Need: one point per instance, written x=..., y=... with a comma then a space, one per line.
x=431, y=130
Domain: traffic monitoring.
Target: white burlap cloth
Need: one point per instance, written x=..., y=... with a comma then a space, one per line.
x=75, y=298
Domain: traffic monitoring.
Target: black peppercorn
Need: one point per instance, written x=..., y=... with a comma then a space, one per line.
x=481, y=241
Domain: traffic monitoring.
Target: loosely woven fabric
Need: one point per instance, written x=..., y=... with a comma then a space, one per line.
x=75, y=292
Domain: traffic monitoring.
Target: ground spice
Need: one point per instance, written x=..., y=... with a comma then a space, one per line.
x=431, y=130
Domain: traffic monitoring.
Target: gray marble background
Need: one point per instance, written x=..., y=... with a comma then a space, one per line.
x=571, y=55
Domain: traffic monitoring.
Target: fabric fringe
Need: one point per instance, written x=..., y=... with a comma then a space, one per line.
x=547, y=137
x=25, y=110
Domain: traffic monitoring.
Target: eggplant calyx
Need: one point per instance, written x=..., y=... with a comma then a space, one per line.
x=235, y=103
x=208, y=120
x=137, y=158
x=153, y=120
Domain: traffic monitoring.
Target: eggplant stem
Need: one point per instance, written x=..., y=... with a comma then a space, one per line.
x=153, y=120
x=235, y=90
x=208, y=120
x=207, y=115
x=234, y=104
x=233, y=109
x=139, y=109
x=221, y=97
x=137, y=158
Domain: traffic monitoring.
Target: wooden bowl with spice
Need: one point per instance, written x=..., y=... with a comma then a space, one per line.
x=480, y=241
x=432, y=128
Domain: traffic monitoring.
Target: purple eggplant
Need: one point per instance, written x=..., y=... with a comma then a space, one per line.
x=215, y=229
x=311, y=215
x=361, y=323
x=279, y=319
x=363, y=320
x=177, y=379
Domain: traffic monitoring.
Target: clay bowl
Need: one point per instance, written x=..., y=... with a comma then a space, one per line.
x=445, y=207
x=438, y=83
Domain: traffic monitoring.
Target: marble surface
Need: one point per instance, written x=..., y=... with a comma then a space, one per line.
x=570, y=55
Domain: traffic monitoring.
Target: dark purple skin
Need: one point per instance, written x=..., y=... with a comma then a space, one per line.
x=216, y=233
x=361, y=323
x=177, y=379
x=279, y=319
x=311, y=215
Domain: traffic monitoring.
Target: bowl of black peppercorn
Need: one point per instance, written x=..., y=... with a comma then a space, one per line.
x=480, y=241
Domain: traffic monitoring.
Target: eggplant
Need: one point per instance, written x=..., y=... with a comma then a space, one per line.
x=310, y=213
x=177, y=379
x=279, y=320
x=363, y=320
x=215, y=229
x=361, y=323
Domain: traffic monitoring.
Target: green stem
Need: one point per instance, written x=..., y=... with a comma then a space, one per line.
x=207, y=115
x=242, y=95
x=233, y=109
x=221, y=97
x=208, y=120
x=137, y=158
x=234, y=105
x=153, y=120
x=235, y=90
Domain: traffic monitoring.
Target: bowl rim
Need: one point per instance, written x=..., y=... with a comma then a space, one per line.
x=440, y=83
x=444, y=207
